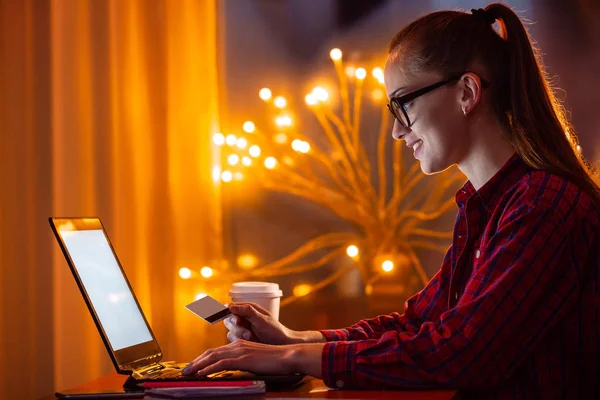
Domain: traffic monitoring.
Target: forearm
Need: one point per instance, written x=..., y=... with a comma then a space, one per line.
x=304, y=337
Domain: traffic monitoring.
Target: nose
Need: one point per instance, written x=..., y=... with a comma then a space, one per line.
x=399, y=130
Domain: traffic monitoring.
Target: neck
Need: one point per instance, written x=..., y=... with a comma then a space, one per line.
x=488, y=152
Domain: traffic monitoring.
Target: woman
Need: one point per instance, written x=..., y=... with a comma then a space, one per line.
x=514, y=310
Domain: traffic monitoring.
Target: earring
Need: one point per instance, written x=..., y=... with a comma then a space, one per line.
x=465, y=112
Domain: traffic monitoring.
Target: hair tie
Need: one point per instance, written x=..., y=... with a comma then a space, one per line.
x=483, y=15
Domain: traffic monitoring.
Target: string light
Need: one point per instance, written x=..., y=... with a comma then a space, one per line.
x=249, y=127
x=254, y=151
x=311, y=99
x=218, y=139
x=320, y=93
x=270, y=162
x=231, y=140
x=238, y=176
x=206, y=272
x=241, y=143
x=265, y=94
x=283, y=120
x=280, y=102
x=226, y=176
x=185, y=273
x=352, y=251
x=350, y=71
x=247, y=261
x=387, y=265
x=361, y=73
x=233, y=159
x=246, y=161
x=335, y=54
x=302, y=290
x=281, y=138
x=378, y=74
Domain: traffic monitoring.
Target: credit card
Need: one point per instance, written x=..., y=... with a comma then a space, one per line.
x=209, y=309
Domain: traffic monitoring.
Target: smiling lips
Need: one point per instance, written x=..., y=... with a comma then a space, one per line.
x=415, y=145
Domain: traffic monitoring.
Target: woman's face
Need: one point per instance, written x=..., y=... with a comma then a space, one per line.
x=438, y=131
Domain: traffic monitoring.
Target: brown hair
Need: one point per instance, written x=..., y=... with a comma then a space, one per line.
x=452, y=42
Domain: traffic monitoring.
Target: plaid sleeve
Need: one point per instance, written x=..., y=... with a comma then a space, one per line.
x=416, y=309
x=523, y=283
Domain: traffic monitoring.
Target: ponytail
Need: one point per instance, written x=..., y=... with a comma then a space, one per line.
x=521, y=97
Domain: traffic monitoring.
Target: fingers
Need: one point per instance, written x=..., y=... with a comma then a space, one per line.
x=237, y=329
x=211, y=358
x=248, y=310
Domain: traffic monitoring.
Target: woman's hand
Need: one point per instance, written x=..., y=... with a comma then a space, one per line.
x=252, y=322
x=259, y=358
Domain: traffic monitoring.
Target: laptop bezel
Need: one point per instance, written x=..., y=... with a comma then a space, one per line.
x=130, y=358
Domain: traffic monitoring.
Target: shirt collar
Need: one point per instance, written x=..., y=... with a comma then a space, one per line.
x=493, y=190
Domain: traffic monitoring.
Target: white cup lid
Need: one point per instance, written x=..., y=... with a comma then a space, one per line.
x=263, y=288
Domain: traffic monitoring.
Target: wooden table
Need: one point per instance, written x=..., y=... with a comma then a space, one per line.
x=312, y=388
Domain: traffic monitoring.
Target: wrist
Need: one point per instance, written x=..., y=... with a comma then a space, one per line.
x=305, y=358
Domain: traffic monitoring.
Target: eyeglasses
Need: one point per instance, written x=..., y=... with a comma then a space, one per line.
x=398, y=105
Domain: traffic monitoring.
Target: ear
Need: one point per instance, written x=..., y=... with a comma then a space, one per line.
x=471, y=91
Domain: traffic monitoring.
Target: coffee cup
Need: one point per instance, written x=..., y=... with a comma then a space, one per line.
x=265, y=294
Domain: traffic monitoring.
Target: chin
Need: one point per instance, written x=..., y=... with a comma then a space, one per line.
x=432, y=168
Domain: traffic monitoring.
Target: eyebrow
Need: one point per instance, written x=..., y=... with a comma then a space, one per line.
x=395, y=92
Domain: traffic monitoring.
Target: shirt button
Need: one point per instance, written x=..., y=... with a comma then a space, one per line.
x=339, y=384
x=477, y=253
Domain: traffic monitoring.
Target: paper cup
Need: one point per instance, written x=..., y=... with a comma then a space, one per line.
x=265, y=294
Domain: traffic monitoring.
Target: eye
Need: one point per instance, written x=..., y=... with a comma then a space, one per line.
x=406, y=106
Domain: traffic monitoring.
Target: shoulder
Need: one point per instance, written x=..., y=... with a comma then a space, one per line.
x=549, y=194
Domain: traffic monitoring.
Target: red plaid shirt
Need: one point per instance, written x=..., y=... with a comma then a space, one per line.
x=514, y=311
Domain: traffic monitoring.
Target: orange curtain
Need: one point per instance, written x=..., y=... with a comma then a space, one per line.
x=107, y=109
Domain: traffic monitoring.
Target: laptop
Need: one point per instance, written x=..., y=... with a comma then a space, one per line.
x=119, y=318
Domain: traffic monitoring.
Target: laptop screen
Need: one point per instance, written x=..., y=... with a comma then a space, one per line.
x=107, y=293
x=106, y=288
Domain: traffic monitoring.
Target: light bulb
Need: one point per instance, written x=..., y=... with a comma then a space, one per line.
x=320, y=93
x=206, y=272
x=185, y=273
x=233, y=159
x=246, y=161
x=249, y=127
x=280, y=102
x=311, y=99
x=335, y=54
x=270, y=162
x=254, y=151
x=265, y=94
x=361, y=73
x=378, y=74
x=352, y=251
x=218, y=139
x=387, y=265
x=226, y=176
x=231, y=140
x=241, y=143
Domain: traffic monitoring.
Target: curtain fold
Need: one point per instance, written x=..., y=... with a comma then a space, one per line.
x=107, y=109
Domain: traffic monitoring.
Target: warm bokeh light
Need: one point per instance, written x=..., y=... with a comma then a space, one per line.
x=254, y=151
x=335, y=54
x=270, y=162
x=238, y=176
x=283, y=120
x=352, y=251
x=368, y=290
x=311, y=99
x=241, y=143
x=281, y=138
x=233, y=159
x=185, y=273
x=280, y=102
x=249, y=127
x=378, y=74
x=578, y=148
x=350, y=71
x=296, y=143
x=231, y=140
x=302, y=290
x=265, y=94
x=247, y=261
x=320, y=93
x=361, y=73
x=206, y=272
x=377, y=95
x=200, y=296
x=246, y=161
x=216, y=173
x=300, y=146
x=287, y=160
x=387, y=265
x=219, y=139
x=226, y=176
